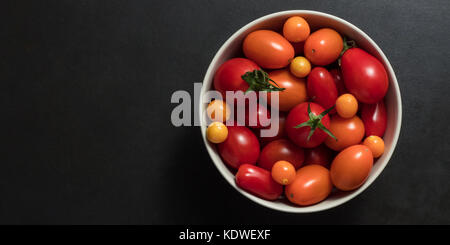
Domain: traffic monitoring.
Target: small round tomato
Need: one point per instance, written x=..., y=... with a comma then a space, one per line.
x=283, y=172
x=351, y=167
x=323, y=46
x=346, y=106
x=311, y=185
x=294, y=92
x=375, y=144
x=279, y=150
x=348, y=131
x=217, y=132
x=218, y=111
x=229, y=75
x=320, y=155
x=299, y=132
x=296, y=29
x=241, y=146
x=300, y=67
x=268, y=49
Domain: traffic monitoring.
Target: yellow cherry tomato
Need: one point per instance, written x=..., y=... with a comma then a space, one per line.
x=300, y=67
x=217, y=132
x=296, y=29
x=218, y=111
x=346, y=106
x=283, y=172
x=375, y=144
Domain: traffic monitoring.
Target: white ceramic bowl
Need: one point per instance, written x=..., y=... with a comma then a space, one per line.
x=232, y=48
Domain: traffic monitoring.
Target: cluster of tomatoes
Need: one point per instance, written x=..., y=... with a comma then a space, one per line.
x=332, y=114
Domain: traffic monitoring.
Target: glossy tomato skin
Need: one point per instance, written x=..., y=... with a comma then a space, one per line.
x=351, y=167
x=298, y=115
x=320, y=155
x=268, y=49
x=258, y=181
x=278, y=150
x=374, y=117
x=364, y=76
x=338, y=81
x=311, y=185
x=280, y=133
x=295, y=89
x=321, y=88
x=348, y=131
x=241, y=146
x=228, y=76
x=323, y=46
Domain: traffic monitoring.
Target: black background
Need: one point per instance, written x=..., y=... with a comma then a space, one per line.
x=85, y=101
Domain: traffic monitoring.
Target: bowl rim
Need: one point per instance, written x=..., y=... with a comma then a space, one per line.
x=221, y=166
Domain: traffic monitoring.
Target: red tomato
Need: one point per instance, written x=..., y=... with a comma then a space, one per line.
x=279, y=150
x=294, y=92
x=311, y=185
x=364, y=75
x=280, y=133
x=351, y=167
x=241, y=146
x=339, y=81
x=258, y=181
x=374, y=117
x=323, y=46
x=228, y=76
x=321, y=88
x=320, y=155
x=268, y=49
x=259, y=118
x=299, y=136
x=348, y=131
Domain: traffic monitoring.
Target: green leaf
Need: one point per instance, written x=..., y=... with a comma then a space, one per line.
x=327, y=131
x=326, y=112
x=307, y=123
x=258, y=80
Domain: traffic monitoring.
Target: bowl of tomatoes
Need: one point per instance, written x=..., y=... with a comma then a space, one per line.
x=328, y=91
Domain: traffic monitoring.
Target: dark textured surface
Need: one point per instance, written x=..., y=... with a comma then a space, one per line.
x=86, y=133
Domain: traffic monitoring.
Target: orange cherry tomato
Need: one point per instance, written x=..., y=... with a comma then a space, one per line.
x=348, y=131
x=311, y=185
x=283, y=172
x=351, y=167
x=346, y=105
x=268, y=49
x=300, y=67
x=218, y=111
x=217, y=132
x=294, y=92
x=375, y=144
x=323, y=46
x=296, y=29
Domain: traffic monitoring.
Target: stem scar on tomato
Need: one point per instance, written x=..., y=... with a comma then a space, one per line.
x=258, y=80
x=348, y=44
x=314, y=122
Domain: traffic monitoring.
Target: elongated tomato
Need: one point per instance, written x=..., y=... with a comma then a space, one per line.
x=375, y=118
x=258, y=181
x=268, y=49
x=241, y=146
x=322, y=88
x=364, y=76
